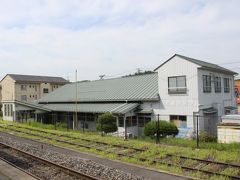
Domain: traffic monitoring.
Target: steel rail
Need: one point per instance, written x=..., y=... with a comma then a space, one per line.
x=21, y=169
x=140, y=150
x=136, y=149
x=67, y=170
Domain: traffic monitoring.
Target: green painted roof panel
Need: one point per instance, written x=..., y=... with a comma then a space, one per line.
x=118, y=108
x=132, y=88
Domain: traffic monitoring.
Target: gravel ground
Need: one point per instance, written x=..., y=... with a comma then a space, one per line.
x=78, y=164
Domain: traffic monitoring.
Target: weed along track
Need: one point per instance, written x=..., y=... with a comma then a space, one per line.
x=207, y=167
x=38, y=167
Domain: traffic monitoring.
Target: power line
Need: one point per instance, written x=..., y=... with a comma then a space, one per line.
x=236, y=62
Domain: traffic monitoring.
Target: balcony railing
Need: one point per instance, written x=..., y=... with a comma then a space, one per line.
x=177, y=90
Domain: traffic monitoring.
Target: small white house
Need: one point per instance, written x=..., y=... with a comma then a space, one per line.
x=189, y=88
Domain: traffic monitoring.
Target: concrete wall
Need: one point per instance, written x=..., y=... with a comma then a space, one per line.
x=11, y=90
x=216, y=100
x=8, y=92
x=229, y=134
x=32, y=91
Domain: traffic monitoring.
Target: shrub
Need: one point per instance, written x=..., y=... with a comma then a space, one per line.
x=106, y=123
x=166, y=128
x=206, y=137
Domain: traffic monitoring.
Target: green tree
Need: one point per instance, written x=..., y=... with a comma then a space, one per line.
x=106, y=123
x=166, y=128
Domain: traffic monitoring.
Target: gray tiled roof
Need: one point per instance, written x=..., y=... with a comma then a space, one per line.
x=203, y=64
x=133, y=88
x=33, y=78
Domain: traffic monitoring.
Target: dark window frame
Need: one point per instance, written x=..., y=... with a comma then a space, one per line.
x=45, y=90
x=23, y=87
x=207, y=83
x=24, y=99
x=226, y=84
x=177, y=89
x=218, y=84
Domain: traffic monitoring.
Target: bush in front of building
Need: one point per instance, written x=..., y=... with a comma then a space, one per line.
x=166, y=129
x=206, y=137
x=106, y=123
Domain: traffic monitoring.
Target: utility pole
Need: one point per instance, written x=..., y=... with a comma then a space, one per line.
x=197, y=131
x=76, y=98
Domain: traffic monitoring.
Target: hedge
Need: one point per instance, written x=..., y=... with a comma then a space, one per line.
x=166, y=129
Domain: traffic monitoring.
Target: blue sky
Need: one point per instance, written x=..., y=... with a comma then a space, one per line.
x=55, y=37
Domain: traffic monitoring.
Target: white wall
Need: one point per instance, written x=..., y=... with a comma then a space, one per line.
x=7, y=117
x=178, y=104
x=217, y=100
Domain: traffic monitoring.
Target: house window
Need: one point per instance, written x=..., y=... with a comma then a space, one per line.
x=30, y=86
x=177, y=85
x=226, y=85
x=23, y=98
x=131, y=121
x=142, y=120
x=217, y=84
x=207, y=87
x=121, y=121
x=45, y=90
x=23, y=87
x=179, y=121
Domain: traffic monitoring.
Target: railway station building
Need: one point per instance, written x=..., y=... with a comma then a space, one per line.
x=182, y=90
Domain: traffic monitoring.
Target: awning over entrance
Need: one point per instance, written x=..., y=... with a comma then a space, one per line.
x=210, y=110
x=118, y=108
x=144, y=111
x=230, y=108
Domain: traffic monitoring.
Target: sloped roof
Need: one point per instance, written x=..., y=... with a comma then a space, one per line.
x=203, y=64
x=118, y=108
x=132, y=88
x=34, y=78
x=27, y=104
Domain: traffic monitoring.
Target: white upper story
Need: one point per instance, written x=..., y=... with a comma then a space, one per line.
x=188, y=85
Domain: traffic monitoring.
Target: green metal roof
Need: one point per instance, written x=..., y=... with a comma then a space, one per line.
x=27, y=104
x=203, y=64
x=118, y=108
x=132, y=88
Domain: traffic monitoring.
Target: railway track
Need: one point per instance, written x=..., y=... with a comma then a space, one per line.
x=131, y=152
x=24, y=161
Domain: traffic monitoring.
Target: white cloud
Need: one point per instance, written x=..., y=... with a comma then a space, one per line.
x=54, y=37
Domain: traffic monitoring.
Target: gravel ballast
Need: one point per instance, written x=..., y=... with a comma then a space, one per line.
x=78, y=164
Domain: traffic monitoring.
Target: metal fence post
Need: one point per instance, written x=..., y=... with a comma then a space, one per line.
x=197, y=131
x=102, y=127
x=125, y=128
x=158, y=131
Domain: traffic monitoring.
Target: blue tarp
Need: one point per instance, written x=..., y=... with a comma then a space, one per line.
x=184, y=132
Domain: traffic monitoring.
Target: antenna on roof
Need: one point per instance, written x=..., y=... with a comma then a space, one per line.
x=102, y=76
x=139, y=70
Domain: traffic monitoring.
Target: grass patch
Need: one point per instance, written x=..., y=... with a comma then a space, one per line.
x=153, y=151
